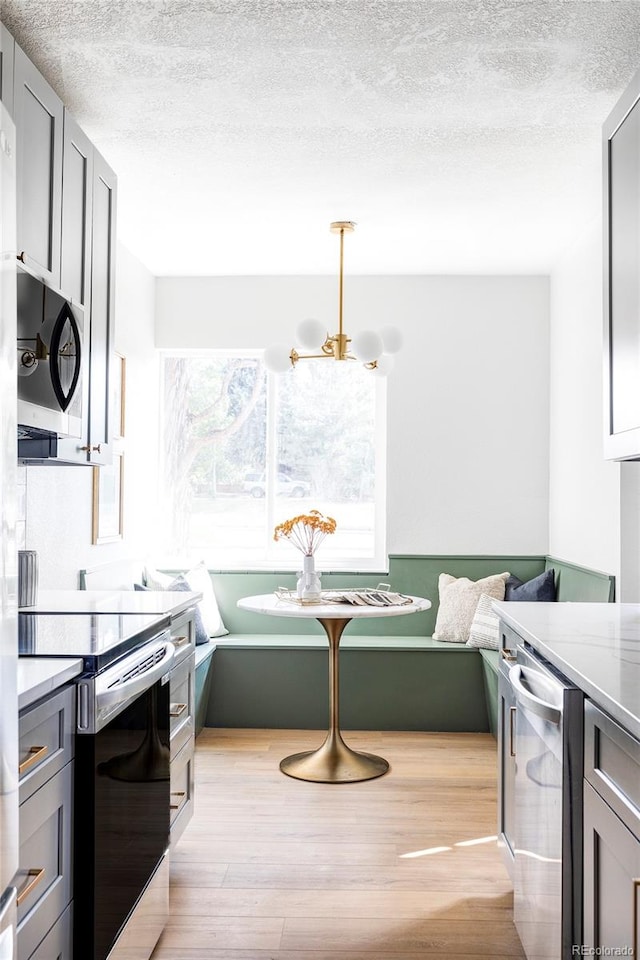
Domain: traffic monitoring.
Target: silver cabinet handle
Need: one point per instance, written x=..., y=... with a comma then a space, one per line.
x=176, y=709
x=512, y=717
x=548, y=711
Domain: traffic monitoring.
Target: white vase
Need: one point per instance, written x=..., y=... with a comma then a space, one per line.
x=308, y=587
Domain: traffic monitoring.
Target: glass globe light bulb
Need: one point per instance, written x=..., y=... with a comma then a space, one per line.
x=277, y=358
x=384, y=365
x=27, y=363
x=391, y=339
x=311, y=334
x=367, y=346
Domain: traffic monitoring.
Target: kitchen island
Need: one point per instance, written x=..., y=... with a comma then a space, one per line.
x=593, y=885
x=595, y=645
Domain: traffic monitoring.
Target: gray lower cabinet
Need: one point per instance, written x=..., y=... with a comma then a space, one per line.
x=507, y=771
x=182, y=725
x=39, y=116
x=57, y=945
x=611, y=834
x=45, y=881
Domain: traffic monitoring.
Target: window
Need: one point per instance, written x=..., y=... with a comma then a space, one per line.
x=244, y=450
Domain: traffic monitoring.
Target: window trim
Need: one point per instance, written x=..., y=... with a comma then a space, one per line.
x=378, y=563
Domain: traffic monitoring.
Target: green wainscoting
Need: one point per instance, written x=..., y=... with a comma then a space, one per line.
x=272, y=671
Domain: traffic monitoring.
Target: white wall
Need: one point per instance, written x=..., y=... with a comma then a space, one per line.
x=59, y=499
x=468, y=401
x=584, y=497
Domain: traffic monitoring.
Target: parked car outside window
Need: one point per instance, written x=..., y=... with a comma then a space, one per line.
x=255, y=485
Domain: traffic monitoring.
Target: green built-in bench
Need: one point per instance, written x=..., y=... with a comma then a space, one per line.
x=273, y=672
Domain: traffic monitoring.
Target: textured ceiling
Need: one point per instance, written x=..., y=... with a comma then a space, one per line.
x=461, y=135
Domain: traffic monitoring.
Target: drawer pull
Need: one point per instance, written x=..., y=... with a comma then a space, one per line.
x=35, y=754
x=34, y=876
x=179, y=641
x=177, y=793
x=636, y=891
x=508, y=654
x=177, y=709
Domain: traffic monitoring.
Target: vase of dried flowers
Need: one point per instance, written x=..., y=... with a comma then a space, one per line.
x=306, y=532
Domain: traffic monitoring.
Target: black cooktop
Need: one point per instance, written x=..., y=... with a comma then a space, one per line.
x=100, y=639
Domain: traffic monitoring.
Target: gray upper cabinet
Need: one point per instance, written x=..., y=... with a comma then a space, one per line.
x=38, y=115
x=621, y=247
x=77, y=206
x=102, y=309
x=7, y=47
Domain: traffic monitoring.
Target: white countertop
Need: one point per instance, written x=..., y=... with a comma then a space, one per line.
x=167, y=602
x=271, y=605
x=40, y=676
x=595, y=645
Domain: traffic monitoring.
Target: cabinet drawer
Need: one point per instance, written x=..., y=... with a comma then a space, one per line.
x=183, y=635
x=612, y=764
x=508, y=642
x=44, y=875
x=182, y=787
x=46, y=740
x=58, y=944
x=181, y=705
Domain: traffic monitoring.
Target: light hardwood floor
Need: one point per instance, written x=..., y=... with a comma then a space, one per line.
x=399, y=868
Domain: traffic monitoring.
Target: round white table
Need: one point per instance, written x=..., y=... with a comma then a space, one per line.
x=334, y=761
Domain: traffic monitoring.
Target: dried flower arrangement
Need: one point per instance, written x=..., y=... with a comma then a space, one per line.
x=306, y=532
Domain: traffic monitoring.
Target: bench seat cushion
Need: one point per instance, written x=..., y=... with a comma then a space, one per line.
x=301, y=641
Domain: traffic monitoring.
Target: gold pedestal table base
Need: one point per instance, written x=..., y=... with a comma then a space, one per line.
x=334, y=761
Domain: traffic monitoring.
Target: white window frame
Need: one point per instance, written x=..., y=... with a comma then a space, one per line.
x=273, y=559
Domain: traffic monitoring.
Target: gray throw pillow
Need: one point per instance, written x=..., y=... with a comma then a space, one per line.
x=541, y=588
x=181, y=585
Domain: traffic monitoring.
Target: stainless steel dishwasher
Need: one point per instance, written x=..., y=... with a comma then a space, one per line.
x=547, y=819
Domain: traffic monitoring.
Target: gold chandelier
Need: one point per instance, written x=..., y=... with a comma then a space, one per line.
x=374, y=350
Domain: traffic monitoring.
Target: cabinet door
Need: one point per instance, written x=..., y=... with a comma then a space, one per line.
x=6, y=68
x=38, y=115
x=611, y=877
x=102, y=310
x=77, y=204
x=506, y=771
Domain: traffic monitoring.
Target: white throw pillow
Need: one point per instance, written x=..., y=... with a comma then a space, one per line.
x=458, y=601
x=199, y=579
x=485, y=629
x=156, y=580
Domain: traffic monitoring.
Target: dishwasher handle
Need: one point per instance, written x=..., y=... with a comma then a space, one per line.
x=541, y=708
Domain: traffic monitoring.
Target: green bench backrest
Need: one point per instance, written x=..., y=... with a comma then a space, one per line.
x=416, y=575
x=579, y=584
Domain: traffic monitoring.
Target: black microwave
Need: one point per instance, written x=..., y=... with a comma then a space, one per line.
x=50, y=359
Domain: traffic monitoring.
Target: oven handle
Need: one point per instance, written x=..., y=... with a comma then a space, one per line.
x=138, y=684
x=537, y=706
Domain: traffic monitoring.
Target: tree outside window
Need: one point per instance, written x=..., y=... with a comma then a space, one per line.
x=244, y=450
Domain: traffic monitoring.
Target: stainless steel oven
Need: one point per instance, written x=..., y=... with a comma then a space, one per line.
x=544, y=810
